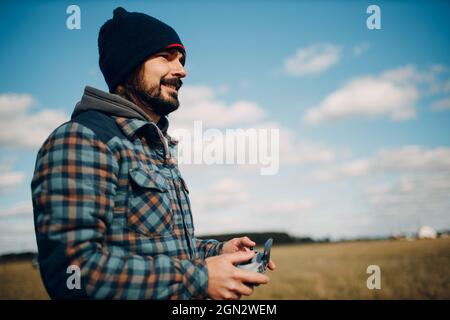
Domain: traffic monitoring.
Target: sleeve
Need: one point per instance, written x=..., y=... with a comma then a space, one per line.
x=73, y=191
x=208, y=248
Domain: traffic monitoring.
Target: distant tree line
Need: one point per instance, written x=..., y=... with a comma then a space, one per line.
x=261, y=237
x=18, y=256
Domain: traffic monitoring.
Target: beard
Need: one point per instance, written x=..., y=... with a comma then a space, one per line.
x=152, y=97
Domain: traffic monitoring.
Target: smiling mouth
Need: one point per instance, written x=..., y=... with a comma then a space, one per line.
x=171, y=87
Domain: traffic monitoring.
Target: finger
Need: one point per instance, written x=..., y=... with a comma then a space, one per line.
x=251, y=277
x=272, y=265
x=230, y=295
x=242, y=289
x=240, y=256
x=245, y=241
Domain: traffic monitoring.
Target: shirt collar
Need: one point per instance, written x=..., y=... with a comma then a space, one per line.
x=133, y=128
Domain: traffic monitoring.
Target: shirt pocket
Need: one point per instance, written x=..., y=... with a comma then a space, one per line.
x=149, y=204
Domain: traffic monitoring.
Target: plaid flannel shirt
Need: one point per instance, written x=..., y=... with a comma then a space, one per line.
x=107, y=200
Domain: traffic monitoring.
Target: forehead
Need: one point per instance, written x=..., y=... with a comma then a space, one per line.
x=175, y=51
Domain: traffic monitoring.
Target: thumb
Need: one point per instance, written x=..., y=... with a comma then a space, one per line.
x=241, y=256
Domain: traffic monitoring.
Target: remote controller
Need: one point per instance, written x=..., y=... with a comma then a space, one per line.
x=260, y=260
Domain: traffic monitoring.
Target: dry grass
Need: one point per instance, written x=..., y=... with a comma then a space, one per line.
x=20, y=280
x=409, y=270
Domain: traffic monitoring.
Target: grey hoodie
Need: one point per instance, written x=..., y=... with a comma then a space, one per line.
x=115, y=105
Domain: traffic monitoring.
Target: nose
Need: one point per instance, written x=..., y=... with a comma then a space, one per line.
x=178, y=70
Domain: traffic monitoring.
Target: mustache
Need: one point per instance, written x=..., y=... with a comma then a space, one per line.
x=177, y=83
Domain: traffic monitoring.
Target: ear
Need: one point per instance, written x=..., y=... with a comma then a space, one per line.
x=119, y=90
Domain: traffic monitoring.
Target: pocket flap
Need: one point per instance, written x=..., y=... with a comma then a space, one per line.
x=146, y=179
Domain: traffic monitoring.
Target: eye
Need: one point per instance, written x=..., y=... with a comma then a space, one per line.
x=170, y=56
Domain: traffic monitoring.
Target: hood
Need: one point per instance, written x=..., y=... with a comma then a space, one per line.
x=115, y=105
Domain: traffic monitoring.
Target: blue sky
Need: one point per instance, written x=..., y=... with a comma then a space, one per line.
x=368, y=159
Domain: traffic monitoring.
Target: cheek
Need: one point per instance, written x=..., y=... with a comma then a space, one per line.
x=151, y=81
x=154, y=72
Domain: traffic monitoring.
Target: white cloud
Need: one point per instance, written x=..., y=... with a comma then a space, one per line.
x=411, y=201
x=356, y=168
x=397, y=190
x=313, y=59
x=441, y=105
x=412, y=159
x=19, y=128
x=17, y=236
x=407, y=159
x=436, y=185
x=297, y=151
x=222, y=194
x=221, y=204
x=282, y=208
x=11, y=104
x=303, y=152
x=20, y=209
x=392, y=94
x=201, y=103
x=439, y=68
x=434, y=80
x=287, y=215
x=411, y=189
x=360, y=48
x=10, y=180
x=256, y=216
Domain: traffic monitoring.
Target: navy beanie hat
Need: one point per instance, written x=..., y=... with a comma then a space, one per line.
x=127, y=40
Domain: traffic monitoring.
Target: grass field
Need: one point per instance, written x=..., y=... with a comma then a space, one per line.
x=409, y=270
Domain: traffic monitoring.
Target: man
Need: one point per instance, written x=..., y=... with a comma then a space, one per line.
x=108, y=197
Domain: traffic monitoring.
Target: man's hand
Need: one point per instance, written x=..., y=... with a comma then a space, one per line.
x=242, y=244
x=226, y=281
x=238, y=244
